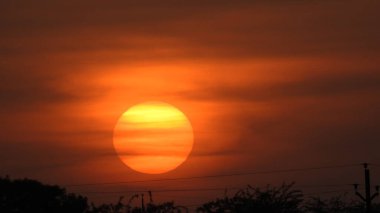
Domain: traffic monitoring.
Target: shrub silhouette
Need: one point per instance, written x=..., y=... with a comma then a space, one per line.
x=120, y=207
x=336, y=204
x=281, y=199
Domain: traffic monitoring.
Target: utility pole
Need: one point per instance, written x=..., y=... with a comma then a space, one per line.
x=368, y=197
x=142, y=203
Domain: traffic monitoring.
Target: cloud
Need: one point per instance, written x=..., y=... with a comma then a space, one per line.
x=242, y=29
x=27, y=88
x=34, y=155
x=313, y=86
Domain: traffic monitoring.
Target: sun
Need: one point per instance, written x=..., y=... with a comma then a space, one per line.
x=153, y=137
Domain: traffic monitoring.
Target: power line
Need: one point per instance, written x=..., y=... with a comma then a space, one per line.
x=206, y=189
x=326, y=192
x=221, y=175
x=309, y=194
x=303, y=194
x=323, y=185
x=159, y=191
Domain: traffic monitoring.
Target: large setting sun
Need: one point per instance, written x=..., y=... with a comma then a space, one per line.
x=153, y=137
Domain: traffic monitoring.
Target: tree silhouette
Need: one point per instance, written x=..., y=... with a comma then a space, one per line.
x=19, y=196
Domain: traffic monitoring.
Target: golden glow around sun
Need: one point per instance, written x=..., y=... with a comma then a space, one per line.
x=153, y=137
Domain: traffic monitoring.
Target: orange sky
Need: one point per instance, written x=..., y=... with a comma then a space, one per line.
x=264, y=85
